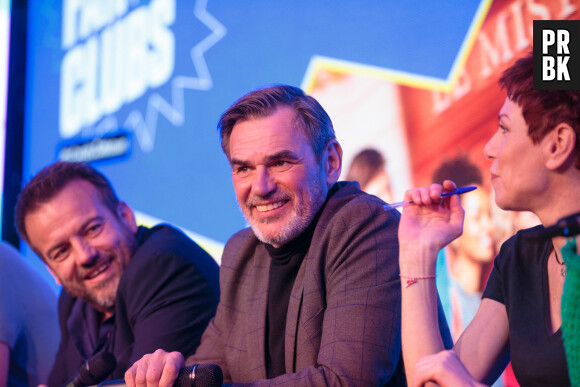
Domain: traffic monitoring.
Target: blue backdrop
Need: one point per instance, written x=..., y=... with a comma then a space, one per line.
x=158, y=74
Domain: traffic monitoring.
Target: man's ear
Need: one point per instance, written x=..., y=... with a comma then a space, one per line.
x=125, y=213
x=332, y=163
x=560, y=147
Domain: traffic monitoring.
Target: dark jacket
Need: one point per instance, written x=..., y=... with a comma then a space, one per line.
x=166, y=296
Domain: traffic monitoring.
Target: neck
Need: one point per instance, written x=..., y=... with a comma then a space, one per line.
x=106, y=316
x=561, y=200
x=558, y=243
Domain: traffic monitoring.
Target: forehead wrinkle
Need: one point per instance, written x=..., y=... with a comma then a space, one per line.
x=270, y=146
x=266, y=138
x=266, y=159
x=286, y=153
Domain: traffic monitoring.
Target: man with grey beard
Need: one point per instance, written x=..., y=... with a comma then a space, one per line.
x=127, y=289
x=310, y=294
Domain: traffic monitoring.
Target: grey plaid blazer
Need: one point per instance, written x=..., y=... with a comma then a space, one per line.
x=344, y=316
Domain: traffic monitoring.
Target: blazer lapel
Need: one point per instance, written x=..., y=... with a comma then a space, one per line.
x=256, y=310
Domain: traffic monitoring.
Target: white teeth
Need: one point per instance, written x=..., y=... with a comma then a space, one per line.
x=99, y=270
x=269, y=207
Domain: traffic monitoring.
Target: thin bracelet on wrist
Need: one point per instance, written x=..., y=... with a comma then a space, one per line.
x=412, y=280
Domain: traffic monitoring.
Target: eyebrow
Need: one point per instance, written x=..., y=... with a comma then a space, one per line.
x=284, y=154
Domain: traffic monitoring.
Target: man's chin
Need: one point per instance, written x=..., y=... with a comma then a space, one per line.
x=278, y=237
x=265, y=237
x=102, y=300
x=104, y=303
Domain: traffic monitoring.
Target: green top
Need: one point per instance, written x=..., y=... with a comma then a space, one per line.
x=571, y=311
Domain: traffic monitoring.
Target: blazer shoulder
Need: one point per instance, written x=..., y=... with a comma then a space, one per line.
x=350, y=203
x=242, y=243
x=170, y=243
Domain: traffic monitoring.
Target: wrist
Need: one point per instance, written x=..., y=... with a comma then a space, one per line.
x=417, y=260
x=410, y=280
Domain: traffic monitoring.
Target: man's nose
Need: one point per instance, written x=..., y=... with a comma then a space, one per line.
x=86, y=253
x=263, y=183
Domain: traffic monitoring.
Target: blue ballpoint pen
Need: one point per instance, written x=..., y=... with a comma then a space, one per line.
x=457, y=191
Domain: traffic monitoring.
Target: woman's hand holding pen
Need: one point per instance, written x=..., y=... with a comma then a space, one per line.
x=431, y=221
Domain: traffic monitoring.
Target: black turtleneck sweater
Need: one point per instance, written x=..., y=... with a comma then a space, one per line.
x=286, y=261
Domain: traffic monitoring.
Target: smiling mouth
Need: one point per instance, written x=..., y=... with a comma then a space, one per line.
x=102, y=267
x=270, y=206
